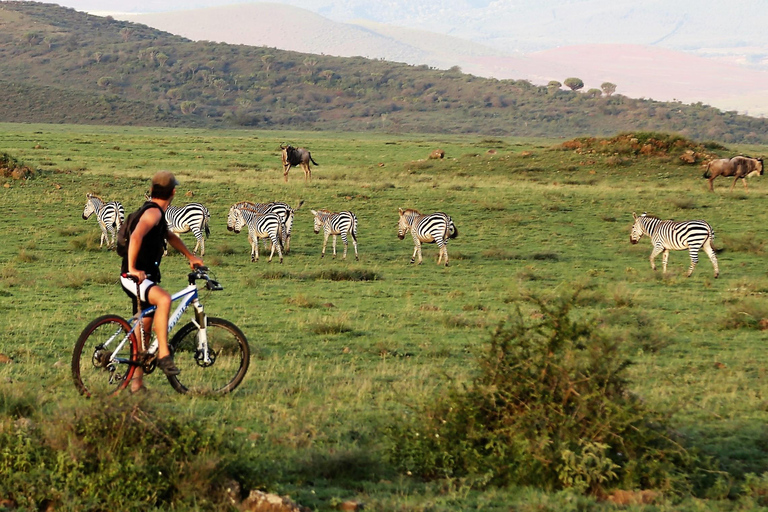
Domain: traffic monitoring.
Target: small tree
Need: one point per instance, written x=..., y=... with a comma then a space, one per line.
x=553, y=86
x=608, y=88
x=573, y=83
x=594, y=93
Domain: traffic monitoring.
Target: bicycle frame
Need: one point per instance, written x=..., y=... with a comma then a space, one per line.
x=188, y=296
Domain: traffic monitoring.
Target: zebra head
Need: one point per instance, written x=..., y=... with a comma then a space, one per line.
x=319, y=219
x=235, y=219
x=92, y=204
x=638, y=229
x=406, y=221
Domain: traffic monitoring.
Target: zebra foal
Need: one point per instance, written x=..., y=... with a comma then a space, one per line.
x=268, y=225
x=336, y=224
x=432, y=228
x=667, y=235
x=109, y=216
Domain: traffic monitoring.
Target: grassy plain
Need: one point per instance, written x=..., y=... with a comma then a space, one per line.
x=335, y=362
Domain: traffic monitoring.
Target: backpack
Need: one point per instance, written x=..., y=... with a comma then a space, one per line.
x=127, y=227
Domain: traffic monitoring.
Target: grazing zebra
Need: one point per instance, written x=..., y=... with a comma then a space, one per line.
x=342, y=223
x=668, y=234
x=280, y=208
x=109, y=215
x=265, y=225
x=192, y=217
x=433, y=228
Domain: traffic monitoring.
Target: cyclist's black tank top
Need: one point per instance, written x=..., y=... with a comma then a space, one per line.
x=152, y=247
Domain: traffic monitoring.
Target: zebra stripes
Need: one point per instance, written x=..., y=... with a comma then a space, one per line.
x=109, y=215
x=267, y=225
x=192, y=217
x=342, y=223
x=433, y=228
x=667, y=235
x=284, y=210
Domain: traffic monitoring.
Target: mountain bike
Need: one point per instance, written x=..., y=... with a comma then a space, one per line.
x=212, y=353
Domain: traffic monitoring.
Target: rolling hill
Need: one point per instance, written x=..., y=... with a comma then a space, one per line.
x=643, y=69
x=76, y=67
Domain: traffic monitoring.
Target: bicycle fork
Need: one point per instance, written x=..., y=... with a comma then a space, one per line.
x=204, y=357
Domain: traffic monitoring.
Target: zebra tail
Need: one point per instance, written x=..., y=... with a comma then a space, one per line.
x=300, y=203
x=207, y=228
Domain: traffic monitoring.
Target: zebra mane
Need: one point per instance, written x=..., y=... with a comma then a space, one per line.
x=411, y=210
x=649, y=216
x=94, y=196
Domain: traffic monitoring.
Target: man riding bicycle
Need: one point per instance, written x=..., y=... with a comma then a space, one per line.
x=142, y=261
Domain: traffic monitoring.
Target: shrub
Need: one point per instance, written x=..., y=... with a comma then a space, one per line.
x=549, y=407
x=112, y=455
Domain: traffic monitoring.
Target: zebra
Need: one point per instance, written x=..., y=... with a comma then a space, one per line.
x=192, y=217
x=109, y=215
x=668, y=234
x=433, y=228
x=342, y=223
x=259, y=226
x=284, y=210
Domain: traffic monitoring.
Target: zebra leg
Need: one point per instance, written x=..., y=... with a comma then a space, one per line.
x=334, y=246
x=354, y=243
x=711, y=253
x=254, y=249
x=199, y=238
x=445, y=250
x=664, y=260
x=656, y=251
x=325, y=243
x=275, y=244
x=415, y=250
x=694, y=260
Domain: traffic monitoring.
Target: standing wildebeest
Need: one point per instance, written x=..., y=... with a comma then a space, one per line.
x=738, y=166
x=297, y=156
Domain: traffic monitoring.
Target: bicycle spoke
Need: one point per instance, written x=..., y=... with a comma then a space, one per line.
x=95, y=370
x=228, y=358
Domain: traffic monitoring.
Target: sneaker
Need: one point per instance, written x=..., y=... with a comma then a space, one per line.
x=166, y=364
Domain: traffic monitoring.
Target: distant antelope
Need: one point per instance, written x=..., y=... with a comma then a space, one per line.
x=740, y=167
x=297, y=156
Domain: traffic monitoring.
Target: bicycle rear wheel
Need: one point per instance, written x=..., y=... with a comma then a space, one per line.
x=93, y=372
x=229, y=353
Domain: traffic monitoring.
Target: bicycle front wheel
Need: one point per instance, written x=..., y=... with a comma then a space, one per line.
x=228, y=352
x=94, y=370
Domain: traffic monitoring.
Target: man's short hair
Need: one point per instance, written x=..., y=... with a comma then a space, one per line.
x=163, y=184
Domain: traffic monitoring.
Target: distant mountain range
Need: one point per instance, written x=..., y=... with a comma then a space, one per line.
x=723, y=67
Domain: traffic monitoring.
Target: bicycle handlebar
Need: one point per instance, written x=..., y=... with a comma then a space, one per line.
x=200, y=272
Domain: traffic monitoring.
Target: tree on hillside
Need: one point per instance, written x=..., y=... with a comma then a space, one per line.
x=608, y=88
x=594, y=93
x=574, y=83
x=553, y=86
x=267, y=60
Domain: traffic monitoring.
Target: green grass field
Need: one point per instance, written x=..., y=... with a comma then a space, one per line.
x=336, y=362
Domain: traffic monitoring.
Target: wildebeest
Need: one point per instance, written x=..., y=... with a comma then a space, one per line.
x=738, y=166
x=297, y=156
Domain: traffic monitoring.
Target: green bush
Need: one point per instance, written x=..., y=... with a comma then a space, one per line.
x=119, y=454
x=550, y=407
